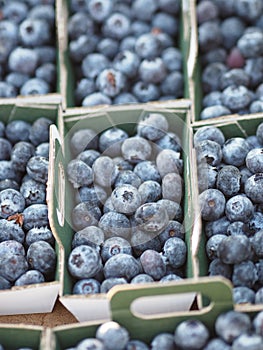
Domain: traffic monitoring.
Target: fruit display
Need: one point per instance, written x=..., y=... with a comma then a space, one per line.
x=27, y=245
x=229, y=168
x=125, y=51
x=28, y=48
x=230, y=45
x=230, y=330
x=128, y=209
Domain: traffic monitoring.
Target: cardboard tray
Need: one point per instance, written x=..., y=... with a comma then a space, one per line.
x=38, y=297
x=92, y=307
x=194, y=70
x=238, y=126
x=66, y=69
x=13, y=337
x=135, y=309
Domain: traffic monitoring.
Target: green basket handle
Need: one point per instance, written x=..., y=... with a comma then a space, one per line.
x=122, y=299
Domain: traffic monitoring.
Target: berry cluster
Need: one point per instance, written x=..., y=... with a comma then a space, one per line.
x=230, y=179
x=230, y=38
x=128, y=213
x=232, y=330
x=27, y=253
x=27, y=48
x=125, y=51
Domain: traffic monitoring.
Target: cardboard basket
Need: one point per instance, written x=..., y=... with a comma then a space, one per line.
x=195, y=72
x=13, y=337
x=240, y=126
x=66, y=73
x=92, y=307
x=41, y=297
x=135, y=309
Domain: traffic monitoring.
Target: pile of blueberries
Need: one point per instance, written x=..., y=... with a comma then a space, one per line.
x=230, y=180
x=230, y=39
x=128, y=214
x=27, y=47
x=232, y=330
x=27, y=254
x=125, y=51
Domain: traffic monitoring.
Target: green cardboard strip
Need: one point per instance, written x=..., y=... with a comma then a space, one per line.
x=13, y=337
x=218, y=290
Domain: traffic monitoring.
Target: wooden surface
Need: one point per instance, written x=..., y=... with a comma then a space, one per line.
x=59, y=316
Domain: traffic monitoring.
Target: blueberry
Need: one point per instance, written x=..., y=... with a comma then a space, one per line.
x=11, y=202
x=211, y=76
x=211, y=99
x=30, y=277
x=5, y=149
x=235, y=76
x=7, y=171
x=147, y=170
x=170, y=190
x=148, y=46
x=257, y=323
x=142, y=278
x=209, y=133
x=244, y=274
x=84, y=262
x=256, y=106
x=150, y=191
x=108, y=47
x=236, y=97
x=126, y=199
x=21, y=153
x=191, y=334
x=254, y=160
x=39, y=131
x=136, y=345
x=113, y=246
x=253, y=187
x=217, y=344
x=127, y=177
x=212, y=204
x=249, y=10
x=104, y=171
x=212, y=245
x=217, y=226
x=249, y=341
x=235, y=150
x=23, y=60
x=41, y=256
x=85, y=214
x=10, y=230
x=169, y=161
x=78, y=24
x=173, y=84
x=17, y=130
x=121, y=265
x=93, y=64
x=152, y=70
x=142, y=241
x=84, y=87
x=172, y=58
x=146, y=92
x=12, y=266
x=111, y=82
x=35, y=32
x=170, y=141
x=4, y=284
x=206, y=11
x=47, y=72
x=259, y=296
x=127, y=62
x=174, y=209
x=136, y=149
x=79, y=173
x=125, y=98
x=99, y=10
x=239, y=208
x=207, y=176
x=39, y=234
x=163, y=341
x=257, y=243
x=173, y=229
x=153, y=126
x=175, y=251
x=113, y=335
x=90, y=343
x=218, y=268
x=253, y=67
x=110, y=282
x=115, y=224
x=96, y=98
x=35, y=215
x=153, y=264
x=35, y=86
x=90, y=235
x=151, y=217
x=208, y=151
x=232, y=29
x=88, y=156
x=37, y=168
x=234, y=249
x=42, y=150
x=243, y=294
x=110, y=141
x=231, y=324
x=236, y=228
x=138, y=9
x=95, y=195
x=12, y=247
x=86, y=286
x=83, y=139
x=214, y=112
